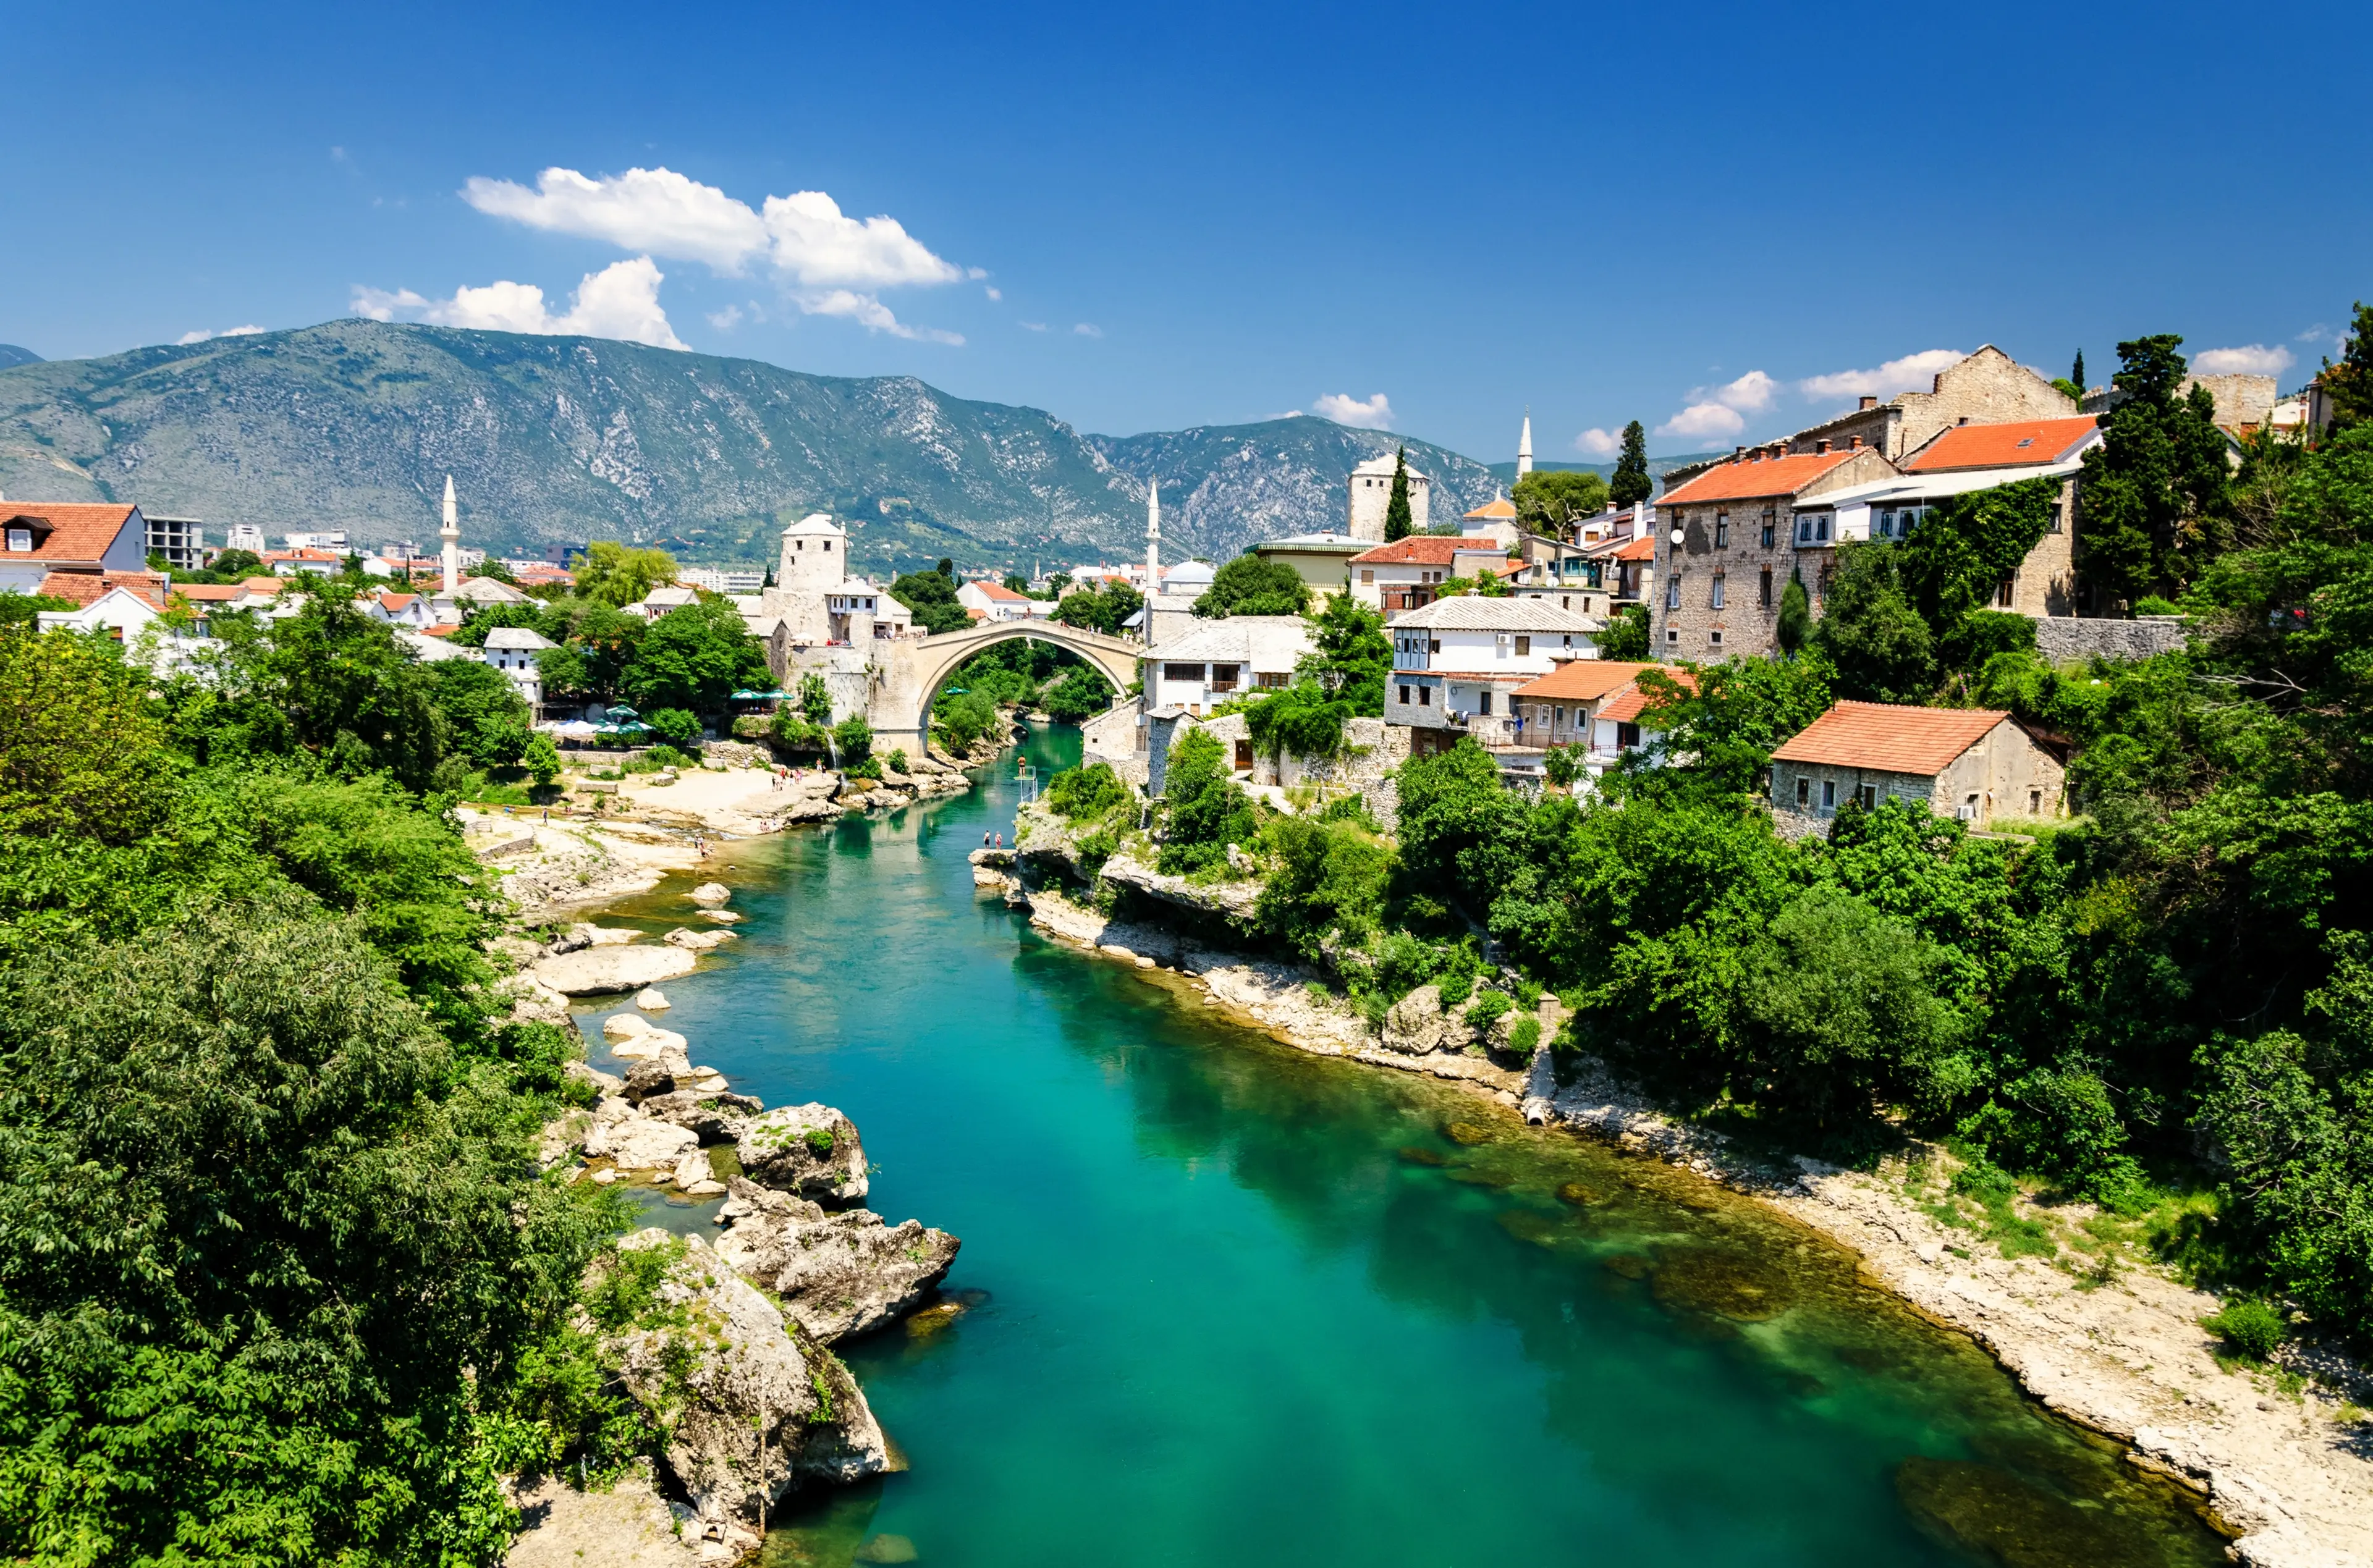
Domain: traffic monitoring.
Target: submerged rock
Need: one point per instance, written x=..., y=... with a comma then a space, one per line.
x=1467, y=1133
x=1725, y=1284
x=696, y=941
x=597, y=971
x=1418, y=1154
x=837, y=1274
x=2001, y=1518
x=749, y=1405
x=886, y=1549
x=1579, y=1195
x=810, y=1150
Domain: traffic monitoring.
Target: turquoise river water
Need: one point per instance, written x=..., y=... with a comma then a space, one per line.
x=1232, y=1304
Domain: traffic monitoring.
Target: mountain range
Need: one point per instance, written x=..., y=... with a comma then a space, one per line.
x=557, y=440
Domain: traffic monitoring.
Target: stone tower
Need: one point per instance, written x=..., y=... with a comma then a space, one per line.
x=449, y=531
x=815, y=557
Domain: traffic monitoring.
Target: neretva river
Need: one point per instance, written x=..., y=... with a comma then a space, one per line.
x=1232, y=1304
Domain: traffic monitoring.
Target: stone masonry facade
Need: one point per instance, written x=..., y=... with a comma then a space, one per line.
x=2006, y=774
x=1988, y=387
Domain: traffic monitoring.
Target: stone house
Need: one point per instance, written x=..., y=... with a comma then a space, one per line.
x=1728, y=542
x=1987, y=388
x=1972, y=763
x=1394, y=578
x=1557, y=709
x=513, y=650
x=1457, y=661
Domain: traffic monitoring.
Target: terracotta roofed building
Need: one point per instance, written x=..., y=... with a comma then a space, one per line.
x=1971, y=763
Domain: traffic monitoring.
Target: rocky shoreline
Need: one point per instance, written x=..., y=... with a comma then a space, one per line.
x=725, y=1345
x=2285, y=1467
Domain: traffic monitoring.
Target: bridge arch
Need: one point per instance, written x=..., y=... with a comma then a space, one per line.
x=912, y=672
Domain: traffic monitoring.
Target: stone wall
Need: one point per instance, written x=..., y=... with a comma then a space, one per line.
x=848, y=676
x=2046, y=580
x=1987, y=388
x=2009, y=771
x=2061, y=639
x=1374, y=750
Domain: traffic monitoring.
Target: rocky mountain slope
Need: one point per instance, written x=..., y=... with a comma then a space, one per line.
x=355, y=424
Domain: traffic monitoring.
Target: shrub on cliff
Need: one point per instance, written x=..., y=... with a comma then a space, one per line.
x=1207, y=811
x=1084, y=793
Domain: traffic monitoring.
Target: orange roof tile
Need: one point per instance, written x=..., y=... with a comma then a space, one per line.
x=1001, y=592
x=1493, y=511
x=87, y=587
x=208, y=593
x=396, y=601
x=1582, y=680
x=1888, y=738
x=263, y=585
x=1640, y=549
x=1625, y=707
x=78, y=531
x=1737, y=480
x=2014, y=444
x=1418, y=550
x=444, y=629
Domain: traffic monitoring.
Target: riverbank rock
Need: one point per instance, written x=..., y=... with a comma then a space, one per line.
x=812, y=1151
x=633, y=1142
x=629, y=1525
x=651, y=999
x=600, y=970
x=623, y=1026
x=710, y=893
x=837, y=1274
x=751, y=1407
x=712, y=1114
x=697, y=941
x=1416, y=1024
x=647, y=1042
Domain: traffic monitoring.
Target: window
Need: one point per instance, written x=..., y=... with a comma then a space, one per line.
x=1483, y=701
x=827, y=547
x=1804, y=789
x=1763, y=589
x=1404, y=696
x=1673, y=593
x=20, y=540
x=1714, y=639
x=2035, y=803
x=1367, y=576
x=1524, y=647
x=1821, y=527
x=1191, y=672
x=1866, y=796
x=1557, y=717
x=2004, y=590
x=1627, y=735
x=1803, y=529
x=1714, y=602
x=1722, y=531
x=1433, y=644
x=1272, y=679
x=1672, y=637
x=1770, y=525
x=1425, y=696
x=1223, y=677
x=1829, y=795
x=2058, y=519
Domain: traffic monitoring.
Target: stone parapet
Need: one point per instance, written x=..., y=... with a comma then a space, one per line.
x=2062, y=639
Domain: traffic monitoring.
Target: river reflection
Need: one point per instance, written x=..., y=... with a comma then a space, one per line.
x=1229, y=1304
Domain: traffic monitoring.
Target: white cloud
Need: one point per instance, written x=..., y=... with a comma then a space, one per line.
x=2316, y=333
x=1089, y=330
x=1910, y=373
x=2256, y=359
x=1377, y=413
x=1751, y=393
x=725, y=321
x=1289, y=413
x=621, y=301
x=870, y=313
x=995, y=294
x=1703, y=421
x=1598, y=443
x=198, y=337
x=1033, y=326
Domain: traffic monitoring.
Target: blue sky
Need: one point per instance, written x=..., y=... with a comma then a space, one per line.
x=1722, y=221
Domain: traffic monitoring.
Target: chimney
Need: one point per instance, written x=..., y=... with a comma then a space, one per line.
x=1821, y=447
x=1738, y=454
x=1867, y=403
x=1965, y=419
x=1855, y=445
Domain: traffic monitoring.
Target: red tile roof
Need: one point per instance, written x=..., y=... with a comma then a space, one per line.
x=79, y=531
x=1738, y=480
x=1493, y=511
x=1583, y=681
x=999, y=591
x=2017, y=444
x=1640, y=549
x=1888, y=738
x=1418, y=550
x=209, y=593
x=1625, y=707
x=393, y=603
x=79, y=588
x=263, y=585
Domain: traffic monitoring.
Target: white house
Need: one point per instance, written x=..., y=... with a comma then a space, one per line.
x=1457, y=661
x=38, y=537
x=997, y=602
x=1220, y=659
x=513, y=650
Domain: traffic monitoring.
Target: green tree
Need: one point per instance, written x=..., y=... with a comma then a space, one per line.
x=1350, y=656
x=677, y=727
x=561, y=670
x=816, y=701
x=854, y=737
x=1205, y=811
x=965, y=718
x=78, y=743
x=1302, y=720
x=486, y=720
x=1626, y=634
x=1872, y=632
x=2076, y=372
x=542, y=760
x=695, y=656
x=614, y=574
x=2349, y=384
x=1251, y=585
x=1795, y=626
x=1081, y=695
x=1400, y=521
x=932, y=595
x=1105, y=609
x=1549, y=503
x=1631, y=484
x=236, y=566
x=537, y=618
x=2155, y=488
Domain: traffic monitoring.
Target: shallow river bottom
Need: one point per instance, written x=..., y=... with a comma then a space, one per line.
x=1228, y=1304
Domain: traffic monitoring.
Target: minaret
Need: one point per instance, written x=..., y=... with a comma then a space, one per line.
x=1525, y=448
x=1153, y=537
x=451, y=532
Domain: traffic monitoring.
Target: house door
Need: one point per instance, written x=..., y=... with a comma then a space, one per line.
x=1245, y=755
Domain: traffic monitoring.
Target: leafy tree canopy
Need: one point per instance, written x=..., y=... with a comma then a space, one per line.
x=1550, y=503
x=1251, y=585
x=614, y=574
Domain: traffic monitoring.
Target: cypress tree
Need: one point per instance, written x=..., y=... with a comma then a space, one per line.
x=2077, y=374
x=1631, y=484
x=1796, y=616
x=1397, y=522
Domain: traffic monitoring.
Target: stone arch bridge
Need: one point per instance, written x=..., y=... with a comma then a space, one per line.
x=909, y=673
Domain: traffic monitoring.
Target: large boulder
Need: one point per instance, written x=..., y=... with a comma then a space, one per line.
x=715, y=1116
x=1417, y=1025
x=810, y=1151
x=710, y=893
x=633, y=1142
x=836, y=1274
x=750, y=1406
x=696, y=941
x=599, y=970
